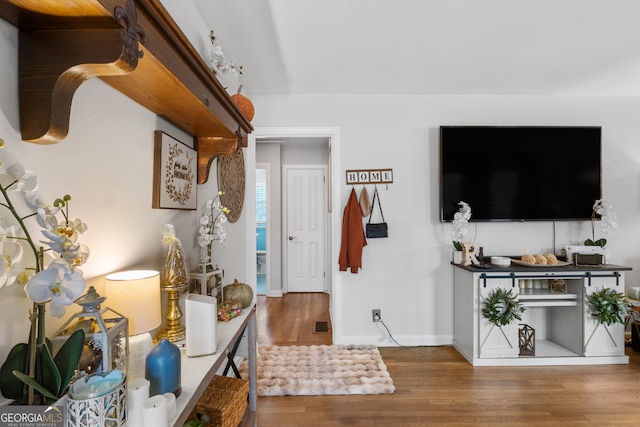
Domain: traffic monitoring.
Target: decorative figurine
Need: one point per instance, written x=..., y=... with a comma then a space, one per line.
x=469, y=251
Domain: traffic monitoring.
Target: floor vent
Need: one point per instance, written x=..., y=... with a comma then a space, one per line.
x=321, y=327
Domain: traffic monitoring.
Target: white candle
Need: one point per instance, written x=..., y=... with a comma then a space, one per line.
x=171, y=404
x=137, y=394
x=154, y=412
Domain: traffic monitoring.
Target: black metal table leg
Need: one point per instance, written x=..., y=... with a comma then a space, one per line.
x=230, y=363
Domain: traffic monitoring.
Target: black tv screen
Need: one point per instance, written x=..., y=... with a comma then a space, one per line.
x=520, y=173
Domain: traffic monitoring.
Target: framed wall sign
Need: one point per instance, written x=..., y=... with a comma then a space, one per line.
x=370, y=176
x=174, y=173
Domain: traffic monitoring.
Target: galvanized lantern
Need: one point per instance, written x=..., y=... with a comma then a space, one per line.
x=106, y=331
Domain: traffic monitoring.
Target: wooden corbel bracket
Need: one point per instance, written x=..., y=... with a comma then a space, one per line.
x=208, y=149
x=53, y=63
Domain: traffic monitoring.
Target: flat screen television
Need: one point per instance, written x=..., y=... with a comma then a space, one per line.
x=519, y=173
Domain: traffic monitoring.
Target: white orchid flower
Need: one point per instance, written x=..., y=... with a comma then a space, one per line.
x=10, y=261
x=25, y=179
x=222, y=235
x=460, y=222
x=211, y=222
x=608, y=217
x=82, y=255
x=62, y=245
x=202, y=240
x=45, y=214
x=57, y=283
x=23, y=277
x=222, y=218
x=71, y=230
x=4, y=232
x=46, y=219
x=11, y=232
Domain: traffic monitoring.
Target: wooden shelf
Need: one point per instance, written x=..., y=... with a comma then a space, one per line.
x=546, y=298
x=135, y=47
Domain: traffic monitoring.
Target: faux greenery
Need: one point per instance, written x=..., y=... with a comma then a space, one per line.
x=195, y=423
x=609, y=306
x=501, y=307
x=52, y=375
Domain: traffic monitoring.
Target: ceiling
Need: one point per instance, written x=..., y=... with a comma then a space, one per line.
x=522, y=47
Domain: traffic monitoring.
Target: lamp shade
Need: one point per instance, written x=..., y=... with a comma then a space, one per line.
x=136, y=295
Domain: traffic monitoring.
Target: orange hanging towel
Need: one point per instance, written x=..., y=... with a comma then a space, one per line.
x=353, y=238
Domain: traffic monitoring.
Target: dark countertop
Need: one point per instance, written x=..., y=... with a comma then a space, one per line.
x=515, y=268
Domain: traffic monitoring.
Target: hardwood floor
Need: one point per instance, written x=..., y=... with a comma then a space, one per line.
x=435, y=386
x=290, y=320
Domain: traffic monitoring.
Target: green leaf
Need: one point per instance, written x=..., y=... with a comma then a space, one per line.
x=30, y=381
x=589, y=242
x=68, y=357
x=10, y=386
x=50, y=376
x=457, y=245
x=609, y=306
x=601, y=242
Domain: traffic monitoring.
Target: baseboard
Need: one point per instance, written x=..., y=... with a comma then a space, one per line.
x=402, y=340
x=274, y=294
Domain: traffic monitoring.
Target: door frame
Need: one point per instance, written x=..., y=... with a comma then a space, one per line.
x=335, y=178
x=285, y=219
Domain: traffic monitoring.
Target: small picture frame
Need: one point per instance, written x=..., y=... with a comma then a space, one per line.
x=175, y=173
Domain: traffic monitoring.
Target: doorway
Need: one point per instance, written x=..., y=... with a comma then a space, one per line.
x=277, y=147
x=297, y=216
x=262, y=209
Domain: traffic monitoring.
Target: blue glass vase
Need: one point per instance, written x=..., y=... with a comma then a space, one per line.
x=162, y=369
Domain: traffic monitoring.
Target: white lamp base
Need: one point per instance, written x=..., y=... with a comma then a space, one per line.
x=139, y=348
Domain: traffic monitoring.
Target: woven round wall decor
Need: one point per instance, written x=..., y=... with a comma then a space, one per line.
x=231, y=180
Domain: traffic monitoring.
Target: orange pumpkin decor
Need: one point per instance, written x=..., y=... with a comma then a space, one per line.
x=244, y=104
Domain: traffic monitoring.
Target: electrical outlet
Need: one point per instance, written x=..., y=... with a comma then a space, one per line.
x=375, y=315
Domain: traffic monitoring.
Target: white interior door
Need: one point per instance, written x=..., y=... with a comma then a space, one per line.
x=305, y=229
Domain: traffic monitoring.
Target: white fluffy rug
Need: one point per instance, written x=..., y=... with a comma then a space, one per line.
x=320, y=370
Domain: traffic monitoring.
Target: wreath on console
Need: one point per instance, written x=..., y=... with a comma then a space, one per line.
x=501, y=307
x=609, y=306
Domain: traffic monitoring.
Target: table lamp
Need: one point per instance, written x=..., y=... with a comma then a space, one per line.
x=136, y=294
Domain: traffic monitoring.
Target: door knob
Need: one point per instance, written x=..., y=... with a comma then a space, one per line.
x=291, y=237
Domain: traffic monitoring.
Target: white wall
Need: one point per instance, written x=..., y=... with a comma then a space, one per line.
x=305, y=154
x=408, y=275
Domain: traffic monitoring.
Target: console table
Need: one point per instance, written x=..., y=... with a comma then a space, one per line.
x=565, y=331
x=197, y=372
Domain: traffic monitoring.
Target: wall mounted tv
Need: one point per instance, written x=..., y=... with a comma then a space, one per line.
x=520, y=173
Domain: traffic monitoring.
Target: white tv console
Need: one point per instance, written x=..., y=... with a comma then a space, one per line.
x=565, y=331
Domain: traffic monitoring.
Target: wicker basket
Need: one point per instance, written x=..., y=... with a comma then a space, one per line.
x=224, y=402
